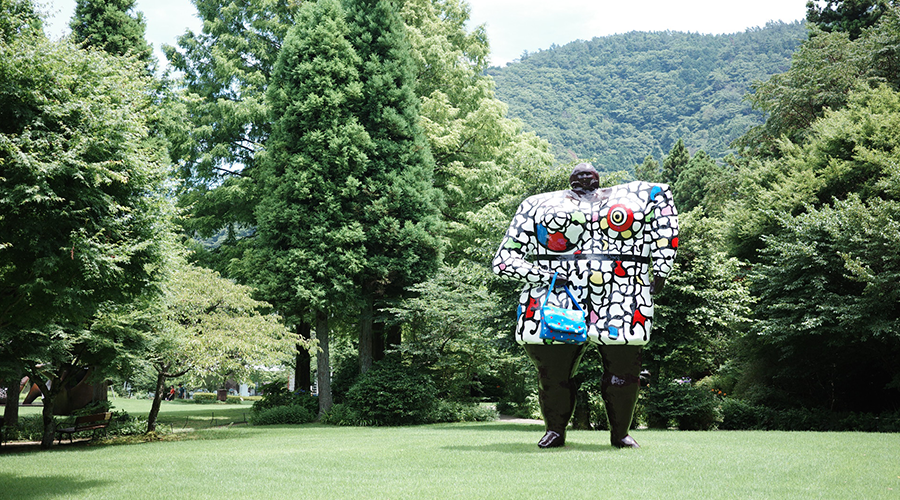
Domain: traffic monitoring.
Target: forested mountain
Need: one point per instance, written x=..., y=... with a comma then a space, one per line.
x=614, y=100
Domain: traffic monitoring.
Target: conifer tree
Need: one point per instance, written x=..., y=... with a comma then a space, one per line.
x=108, y=25
x=310, y=237
x=401, y=221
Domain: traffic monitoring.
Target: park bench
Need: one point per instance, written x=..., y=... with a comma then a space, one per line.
x=93, y=423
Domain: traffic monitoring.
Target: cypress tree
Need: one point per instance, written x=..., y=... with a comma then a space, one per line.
x=311, y=240
x=401, y=221
x=108, y=25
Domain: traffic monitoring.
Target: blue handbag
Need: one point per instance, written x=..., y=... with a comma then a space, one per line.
x=561, y=324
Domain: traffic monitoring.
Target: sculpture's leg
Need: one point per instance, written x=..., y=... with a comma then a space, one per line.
x=620, y=386
x=556, y=364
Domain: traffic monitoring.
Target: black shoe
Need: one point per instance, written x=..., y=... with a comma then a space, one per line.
x=552, y=439
x=626, y=442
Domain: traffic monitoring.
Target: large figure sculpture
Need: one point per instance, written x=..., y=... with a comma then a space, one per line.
x=603, y=243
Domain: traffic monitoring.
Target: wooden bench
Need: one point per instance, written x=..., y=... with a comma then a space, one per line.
x=93, y=423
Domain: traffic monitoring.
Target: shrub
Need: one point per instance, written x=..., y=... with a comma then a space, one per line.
x=204, y=397
x=682, y=404
x=453, y=411
x=283, y=415
x=741, y=415
x=276, y=396
x=342, y=414
x=393, y=394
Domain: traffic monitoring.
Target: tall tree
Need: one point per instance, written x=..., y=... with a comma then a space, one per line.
x=401, y=221
x=83, y=216
x=848, y=16
x=312, y=182
x=110, y=26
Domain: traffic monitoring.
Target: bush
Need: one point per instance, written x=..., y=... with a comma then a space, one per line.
x=283, y=415
x=342, y=414
x=453, y=411
x=204, y=397
x=276, y=396
x=393, y=394
x=741, y=415
x=682, y=404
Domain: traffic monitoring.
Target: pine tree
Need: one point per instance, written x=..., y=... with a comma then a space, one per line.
x=108, y=25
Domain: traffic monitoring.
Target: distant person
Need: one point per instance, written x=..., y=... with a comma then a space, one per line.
x=605, y=244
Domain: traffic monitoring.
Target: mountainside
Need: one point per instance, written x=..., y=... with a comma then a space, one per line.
x=614, y=100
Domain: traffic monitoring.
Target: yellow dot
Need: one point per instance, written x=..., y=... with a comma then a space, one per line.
x=597, y=278
x=662, y=243
x=604, y=224
x=626, y=234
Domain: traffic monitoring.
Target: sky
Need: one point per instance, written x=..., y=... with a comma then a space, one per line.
x=517, y=26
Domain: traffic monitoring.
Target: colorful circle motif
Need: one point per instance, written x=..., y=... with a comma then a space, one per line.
x=620, y=218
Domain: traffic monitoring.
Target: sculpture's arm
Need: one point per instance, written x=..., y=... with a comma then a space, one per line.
x=664, y=235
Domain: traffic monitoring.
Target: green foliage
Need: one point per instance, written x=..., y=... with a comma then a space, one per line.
x=454, y=411
x=705, y=304
x=276, y=395
x=342, y=414
x=849, y=16
x=452, y=331
x=832, y=272
x=392, y=394
x=204, y=397
x=739, y=414
x=680, y=403
x=108, y=25
x=615, y=100
x=837, y=65
x=284, y=415
x=81, y=199
x=18, y=19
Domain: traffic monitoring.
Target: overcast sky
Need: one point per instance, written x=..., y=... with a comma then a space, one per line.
x=516, y=26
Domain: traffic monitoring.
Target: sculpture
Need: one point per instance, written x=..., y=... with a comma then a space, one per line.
x=603, y=243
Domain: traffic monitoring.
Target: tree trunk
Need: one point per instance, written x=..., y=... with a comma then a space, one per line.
x=11, y=413
x=302, y=378
x=49, y=422
x=378, y=340
x=323, y=366
x=157, y=398
x=365, y=336
x=49, y=391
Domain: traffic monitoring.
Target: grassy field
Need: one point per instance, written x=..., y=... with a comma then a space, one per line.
x=492, y=460
x=179, y=414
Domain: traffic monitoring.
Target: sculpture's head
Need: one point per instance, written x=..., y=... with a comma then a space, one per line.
x=584, y=178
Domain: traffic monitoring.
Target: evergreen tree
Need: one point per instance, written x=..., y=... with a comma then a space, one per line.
x=675, y=163
x=848, y=16
x=401, y=221
x=108, y=25
x=311, y=239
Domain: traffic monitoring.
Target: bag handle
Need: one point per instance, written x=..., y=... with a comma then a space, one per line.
x=566, y=288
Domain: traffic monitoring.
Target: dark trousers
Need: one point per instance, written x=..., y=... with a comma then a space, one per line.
x=557, y=364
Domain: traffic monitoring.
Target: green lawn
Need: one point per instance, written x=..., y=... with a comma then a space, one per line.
x=179, y=414
x=492, y=460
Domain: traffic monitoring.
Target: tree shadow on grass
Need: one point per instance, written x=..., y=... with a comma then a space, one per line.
x=28, y=487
